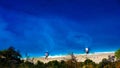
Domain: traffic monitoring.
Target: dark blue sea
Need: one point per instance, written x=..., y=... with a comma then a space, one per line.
x=59, y=27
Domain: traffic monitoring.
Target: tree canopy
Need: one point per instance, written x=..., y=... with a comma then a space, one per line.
x=10, y=55
x=117, y=54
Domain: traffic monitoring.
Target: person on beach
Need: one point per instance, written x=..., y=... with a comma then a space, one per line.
x=86, y=50
x=73, y=57
x=46, y=55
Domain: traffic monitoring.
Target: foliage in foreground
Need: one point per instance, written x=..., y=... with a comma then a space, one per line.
x=117, y=54
x=10, y=58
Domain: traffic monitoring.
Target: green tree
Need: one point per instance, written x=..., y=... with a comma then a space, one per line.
x=88, y=61
x=53, y=64
x=117, y=54
x=26, y=65
x=89, y=64
x=39, y=65
x=10, y=58
x=12, y=55
x=63, y=64
x=106, y=64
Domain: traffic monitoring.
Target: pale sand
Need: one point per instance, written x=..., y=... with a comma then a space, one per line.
x=80, y=58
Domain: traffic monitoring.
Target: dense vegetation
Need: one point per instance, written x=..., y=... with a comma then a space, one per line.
x=10, y=58
x=117, y=54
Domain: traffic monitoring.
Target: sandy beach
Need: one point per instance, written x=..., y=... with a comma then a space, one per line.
x=80, y=57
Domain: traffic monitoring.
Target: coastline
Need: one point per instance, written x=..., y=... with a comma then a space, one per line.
x=96, y=57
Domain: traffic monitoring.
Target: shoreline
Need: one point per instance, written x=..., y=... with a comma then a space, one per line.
x=96, y=57
x=63, y=55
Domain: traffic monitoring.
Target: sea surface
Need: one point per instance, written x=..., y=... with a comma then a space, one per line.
x=59, y=27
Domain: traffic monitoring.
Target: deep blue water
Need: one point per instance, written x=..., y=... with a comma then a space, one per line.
x=60, y=26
